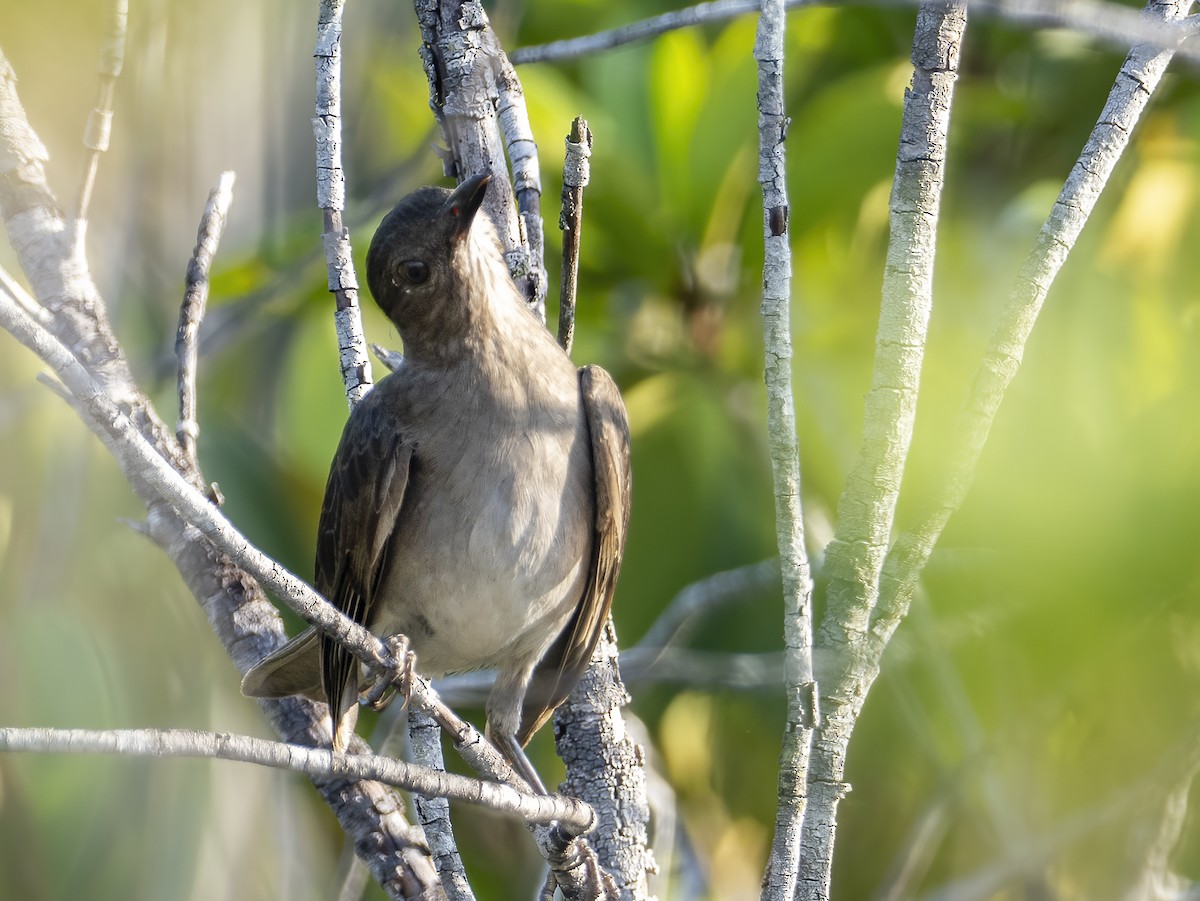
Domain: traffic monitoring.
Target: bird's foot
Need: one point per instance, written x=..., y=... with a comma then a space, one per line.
x=387, y=682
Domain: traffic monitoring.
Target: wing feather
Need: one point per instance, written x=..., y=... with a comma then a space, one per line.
x=564, y=664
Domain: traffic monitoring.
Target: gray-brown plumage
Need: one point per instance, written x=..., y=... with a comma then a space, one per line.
x=479, y=498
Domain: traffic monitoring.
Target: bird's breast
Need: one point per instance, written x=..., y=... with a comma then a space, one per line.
x=492, y=552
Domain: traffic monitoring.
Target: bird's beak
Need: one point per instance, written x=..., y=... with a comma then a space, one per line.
x=464, y=203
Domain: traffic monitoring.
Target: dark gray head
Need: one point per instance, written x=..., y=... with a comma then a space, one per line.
x=418, y=265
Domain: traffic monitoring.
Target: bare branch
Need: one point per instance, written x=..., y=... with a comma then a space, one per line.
x=701, y=13
x=779, y=881
x=461, y=65
x=693, y=602
x=433, y=811
x=604, y=765
x=1111, y=23
x=99, y=125
x=1136, y=82
x=854, y=558
x=319, y=763
x=246, y=623
x=191, y=312
x=576, y=173
x=513, y=118
x=331, y=198
x=389, y=358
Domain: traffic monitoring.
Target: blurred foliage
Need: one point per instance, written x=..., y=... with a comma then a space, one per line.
x=1044, y=691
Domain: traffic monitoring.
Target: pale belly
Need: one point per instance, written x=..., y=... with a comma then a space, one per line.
x=487, y=571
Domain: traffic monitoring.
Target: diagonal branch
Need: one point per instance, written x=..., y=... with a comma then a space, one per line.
x=1136, y=82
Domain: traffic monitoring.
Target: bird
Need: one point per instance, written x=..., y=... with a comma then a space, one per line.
x=479, y=497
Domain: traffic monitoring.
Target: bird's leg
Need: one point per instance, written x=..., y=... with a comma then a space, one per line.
x=515, y=754
x=384, y=682
x=504, y=719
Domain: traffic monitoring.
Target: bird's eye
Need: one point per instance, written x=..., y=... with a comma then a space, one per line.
x=416, y=271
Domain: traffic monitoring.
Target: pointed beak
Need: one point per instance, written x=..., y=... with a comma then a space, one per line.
x=464, y=203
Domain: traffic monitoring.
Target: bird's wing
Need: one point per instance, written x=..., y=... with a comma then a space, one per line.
x=569, y=656
x=363, y=499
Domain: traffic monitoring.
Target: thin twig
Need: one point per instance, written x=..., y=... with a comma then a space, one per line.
x=576, y=173
x=779, y=880
x=391, y=359
x=191, y=311
x=701, y=13
x=642, y=666
x=319, y=763
x=684, y=612
x=98, y=130
x=355, y=363
x=512, y=116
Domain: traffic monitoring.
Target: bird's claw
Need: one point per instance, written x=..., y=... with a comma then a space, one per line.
x=387, y=682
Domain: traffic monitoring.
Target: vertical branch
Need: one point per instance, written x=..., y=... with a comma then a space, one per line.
x=1136, y=82
x=99, y=124
x=514, y=124
x=433, y=813
x=855, y=557
x=191, y=311
x=460, y=56
x=576, y=172
x=779, y=882
x=331, y=197
x=606, y=768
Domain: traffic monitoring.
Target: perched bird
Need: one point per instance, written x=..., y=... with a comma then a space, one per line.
x=479, y=498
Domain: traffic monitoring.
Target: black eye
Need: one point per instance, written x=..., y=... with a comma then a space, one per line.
x=416, y=271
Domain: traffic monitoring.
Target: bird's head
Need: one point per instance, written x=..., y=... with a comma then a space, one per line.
x=426, y=269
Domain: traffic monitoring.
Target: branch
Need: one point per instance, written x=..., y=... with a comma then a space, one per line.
x=459, y=52
x=247, y=624
x=779, y=880
x=576, y=172
x=1111, y=23
x=607, y=769
x=319, y=763
x=683, y=613
x=433, y=812
x=191, y=312
x=99, y=124
x=1136, y=82
x=646, y=29
x=854, y=559
x=331, y=198
x=513, y=119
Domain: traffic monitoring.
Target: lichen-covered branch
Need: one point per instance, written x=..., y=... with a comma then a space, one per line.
x=355, y=362
x=459, y=52
x=606, y=768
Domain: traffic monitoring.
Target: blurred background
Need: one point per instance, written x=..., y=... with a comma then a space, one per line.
x=1041, y=697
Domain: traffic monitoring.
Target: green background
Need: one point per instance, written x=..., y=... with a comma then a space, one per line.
x=1042, y=694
